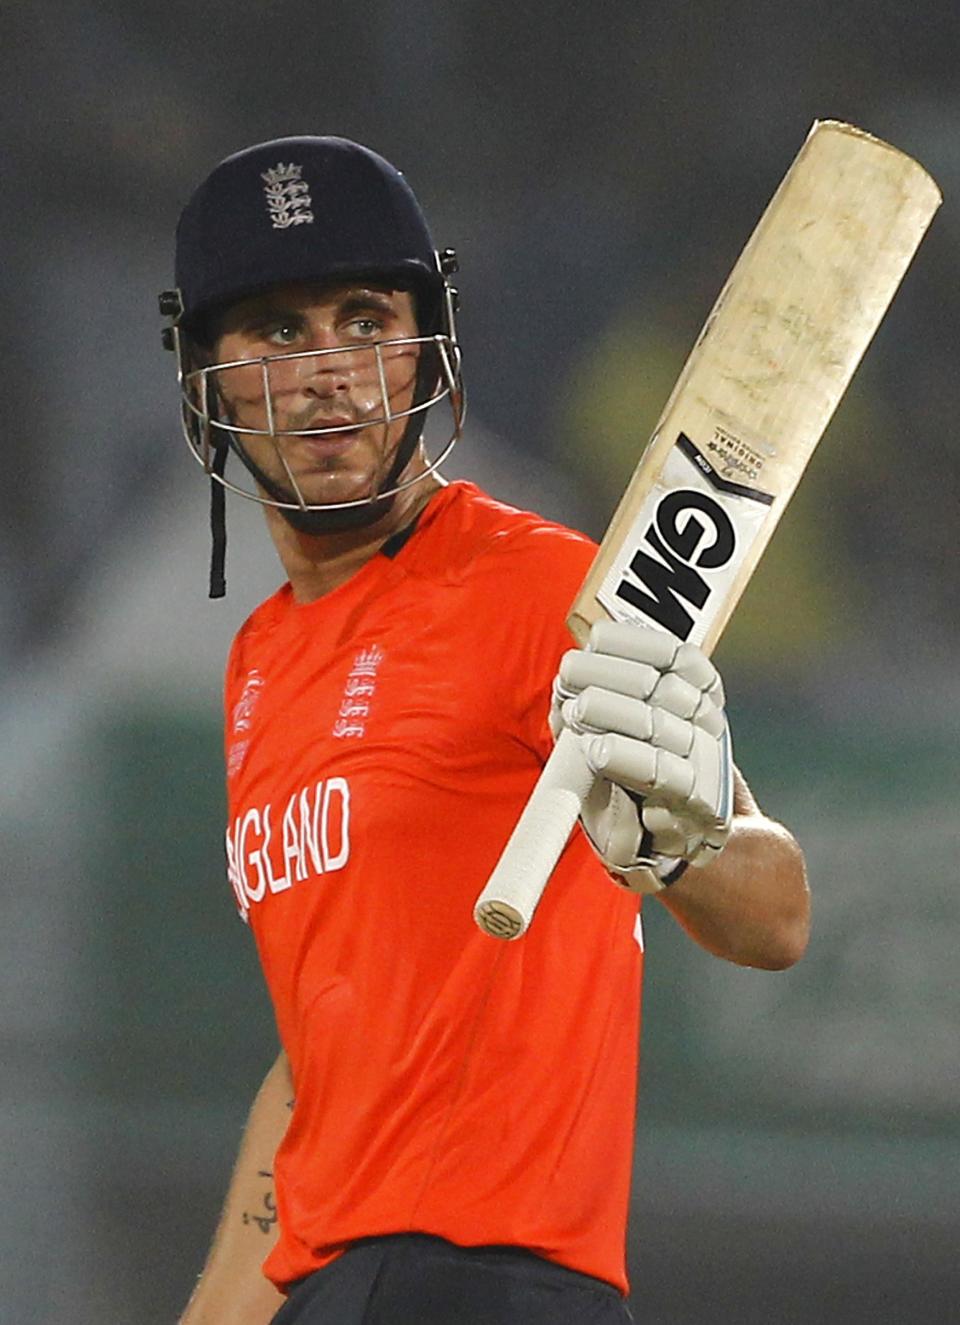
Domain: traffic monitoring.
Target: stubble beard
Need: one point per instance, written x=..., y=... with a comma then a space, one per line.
x=331, y=479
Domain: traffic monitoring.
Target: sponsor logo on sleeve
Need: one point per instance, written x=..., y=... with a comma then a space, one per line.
x=242, y=720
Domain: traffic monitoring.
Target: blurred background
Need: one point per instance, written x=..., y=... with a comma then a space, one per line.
x=598, y=168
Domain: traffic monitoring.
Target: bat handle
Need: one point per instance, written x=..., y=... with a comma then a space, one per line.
x=505, y=907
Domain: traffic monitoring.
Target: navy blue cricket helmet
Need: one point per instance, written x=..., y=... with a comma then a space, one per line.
x=304, y=209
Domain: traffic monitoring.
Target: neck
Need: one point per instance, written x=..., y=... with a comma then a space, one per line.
x=316, y=564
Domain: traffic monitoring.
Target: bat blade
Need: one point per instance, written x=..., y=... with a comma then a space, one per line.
x=764, y=377
x=774, y=357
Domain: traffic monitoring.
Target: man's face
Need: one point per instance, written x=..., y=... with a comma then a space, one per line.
x=345, y=388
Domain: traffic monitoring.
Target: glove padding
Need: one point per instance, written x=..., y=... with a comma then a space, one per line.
x=649, y=710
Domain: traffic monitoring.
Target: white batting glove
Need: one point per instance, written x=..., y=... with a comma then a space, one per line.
x=649, y=711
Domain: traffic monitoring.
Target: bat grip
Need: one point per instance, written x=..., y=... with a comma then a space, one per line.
x=505, y=907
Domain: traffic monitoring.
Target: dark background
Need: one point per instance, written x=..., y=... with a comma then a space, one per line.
x=599, y=169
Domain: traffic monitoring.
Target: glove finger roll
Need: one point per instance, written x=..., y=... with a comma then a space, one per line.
x=642, y=644
x=677, y=696
x=579, y=669
x=671, y=834
x=642, y=768
x=658, y=649
x=694, y=666
x=603, y=711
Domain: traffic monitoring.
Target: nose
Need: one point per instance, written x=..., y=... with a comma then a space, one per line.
x=327, y=373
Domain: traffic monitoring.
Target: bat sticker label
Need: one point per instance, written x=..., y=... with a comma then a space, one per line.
x=685, y=546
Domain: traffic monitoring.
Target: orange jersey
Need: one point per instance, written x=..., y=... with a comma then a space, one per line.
x=381, y=743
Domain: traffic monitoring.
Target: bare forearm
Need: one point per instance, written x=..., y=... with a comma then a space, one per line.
x=751, y=905
x=232, y=1289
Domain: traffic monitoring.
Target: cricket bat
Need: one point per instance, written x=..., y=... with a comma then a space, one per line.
x=762, y=381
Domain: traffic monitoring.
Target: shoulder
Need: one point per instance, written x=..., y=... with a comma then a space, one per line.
x=476, y=535
x=508, y=576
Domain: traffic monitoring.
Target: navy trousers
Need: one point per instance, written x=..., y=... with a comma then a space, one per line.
x=415, y=1279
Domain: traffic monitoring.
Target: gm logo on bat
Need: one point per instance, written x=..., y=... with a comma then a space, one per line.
x=667, y=581
x=689, y=531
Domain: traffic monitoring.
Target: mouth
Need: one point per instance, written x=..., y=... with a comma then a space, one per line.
x=342, y=434
x=323, y=437
x=325, y=448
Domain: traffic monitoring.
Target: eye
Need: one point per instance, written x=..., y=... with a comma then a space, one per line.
x=365, y=327
x=281, y=332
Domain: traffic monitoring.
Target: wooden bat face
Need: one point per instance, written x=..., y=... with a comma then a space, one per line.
x=760, y=385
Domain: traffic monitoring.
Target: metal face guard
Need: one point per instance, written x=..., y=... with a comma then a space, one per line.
x=205, y=393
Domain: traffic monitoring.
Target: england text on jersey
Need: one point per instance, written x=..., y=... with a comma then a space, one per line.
x=269, y=850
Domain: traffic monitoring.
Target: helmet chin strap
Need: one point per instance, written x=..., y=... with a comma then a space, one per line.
x=218, y=525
